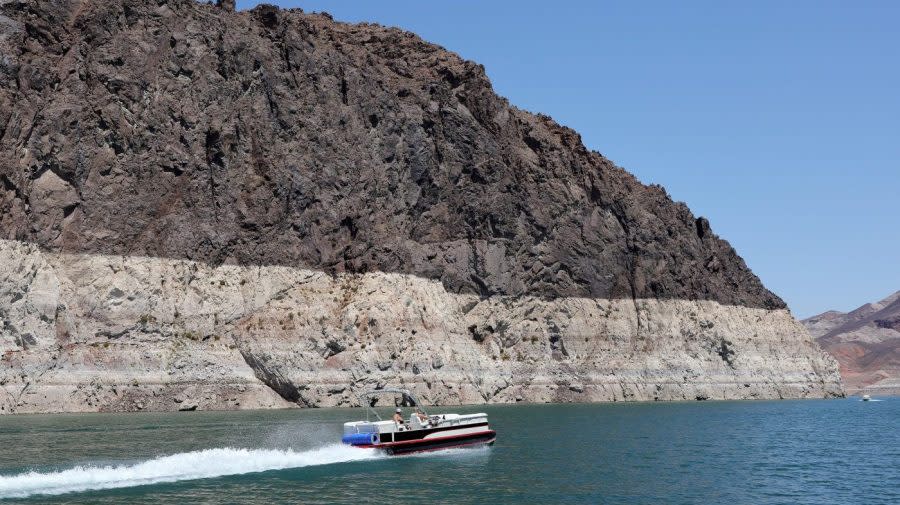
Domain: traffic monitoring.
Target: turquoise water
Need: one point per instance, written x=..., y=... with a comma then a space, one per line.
x=816, y=452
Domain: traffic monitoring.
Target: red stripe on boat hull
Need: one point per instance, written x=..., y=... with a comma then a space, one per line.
x=486, y=437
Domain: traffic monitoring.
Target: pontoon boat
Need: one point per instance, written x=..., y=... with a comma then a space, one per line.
x=417, y=432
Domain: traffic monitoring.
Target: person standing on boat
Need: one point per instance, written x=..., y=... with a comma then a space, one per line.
x=398, y=416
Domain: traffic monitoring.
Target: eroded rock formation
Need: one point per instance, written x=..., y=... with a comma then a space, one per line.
x=303, y=207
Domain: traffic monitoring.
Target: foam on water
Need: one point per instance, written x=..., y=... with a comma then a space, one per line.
x=176, y=467
x=465, y=452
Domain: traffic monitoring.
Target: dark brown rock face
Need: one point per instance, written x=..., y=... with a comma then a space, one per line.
x=185, y=130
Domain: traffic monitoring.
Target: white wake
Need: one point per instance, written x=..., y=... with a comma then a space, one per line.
x=182, y=466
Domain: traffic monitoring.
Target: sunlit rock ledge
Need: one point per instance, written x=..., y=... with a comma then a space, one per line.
x=84, y=332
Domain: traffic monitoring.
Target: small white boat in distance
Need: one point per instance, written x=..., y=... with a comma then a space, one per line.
x=417, y=433
x=866, y=398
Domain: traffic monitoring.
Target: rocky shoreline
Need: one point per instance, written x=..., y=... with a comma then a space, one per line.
x=113, y=333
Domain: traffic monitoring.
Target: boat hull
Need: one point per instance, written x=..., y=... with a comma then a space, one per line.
x=426, y=440
x=435, y=444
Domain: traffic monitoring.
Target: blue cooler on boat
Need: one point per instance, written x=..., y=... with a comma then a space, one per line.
x=360, y=438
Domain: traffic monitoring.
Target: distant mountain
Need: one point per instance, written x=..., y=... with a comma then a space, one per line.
x=866, y=342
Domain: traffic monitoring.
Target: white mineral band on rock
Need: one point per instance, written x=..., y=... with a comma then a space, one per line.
x=85, y=332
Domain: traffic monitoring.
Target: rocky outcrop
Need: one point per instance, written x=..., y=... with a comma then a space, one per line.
x=97, y=332
x=272, y=137
x=866, y=343
x=167, y=145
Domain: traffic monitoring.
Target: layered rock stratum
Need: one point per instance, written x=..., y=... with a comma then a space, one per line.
x=203, y=208
x=866, y=343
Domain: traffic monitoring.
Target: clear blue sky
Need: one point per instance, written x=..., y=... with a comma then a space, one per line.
x=779, y=121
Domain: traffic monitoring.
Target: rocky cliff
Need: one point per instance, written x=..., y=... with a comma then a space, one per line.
x=204, y=208
x=866, y=343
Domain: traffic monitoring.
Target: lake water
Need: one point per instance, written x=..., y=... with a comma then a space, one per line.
x=770, y=452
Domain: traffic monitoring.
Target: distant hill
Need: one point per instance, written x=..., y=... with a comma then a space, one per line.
x=866, y=342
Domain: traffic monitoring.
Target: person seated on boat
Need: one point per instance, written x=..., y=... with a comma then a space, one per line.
x=398, y=416
x=423, y=419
